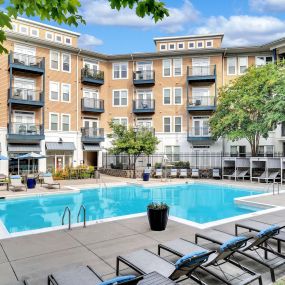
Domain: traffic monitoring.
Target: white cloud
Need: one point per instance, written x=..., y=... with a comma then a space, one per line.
x=99, y=12
x=267, y=5
x=244, y=30
x=89, y=41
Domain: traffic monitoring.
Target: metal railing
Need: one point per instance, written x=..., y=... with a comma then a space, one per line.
x=26, y=60
x=26, y=129
x=92, y=132
x=199, y=132
x=197, y=101
x=84, y=215
x=144, y=75
x=26, y=94
x=92, y=73
x=66, y=210
x=92, y=103
x=144, y=104
x=208, y=70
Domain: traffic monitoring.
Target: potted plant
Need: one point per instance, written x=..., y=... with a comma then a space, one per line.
x=157, y=216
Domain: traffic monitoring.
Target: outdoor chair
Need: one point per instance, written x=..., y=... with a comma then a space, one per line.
x=158, y=173
x=231, y=273
x=272, y=259
x=195, y=173
x=173, y=173
x=85, y=275
x=183, y=173
x=16, y=183
x=243, y=174
x=266, y=176
x=233, y=175
x=216, y=173
x=49, y=182
x=144, y=262
x=22, y=129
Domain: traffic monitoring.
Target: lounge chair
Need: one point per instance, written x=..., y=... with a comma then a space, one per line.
x=216, y=173
x=233, y=175
x=195, y=173
x=243, y=174
x=48, y=180
x=158, y=173
x=183, y=173
x=173, y=173
x=16, y=183
x=266, y=176
x=145, y=261
x=224, y=255
x=260, y=242
x=85, y=275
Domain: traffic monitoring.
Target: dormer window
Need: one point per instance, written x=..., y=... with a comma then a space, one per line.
x=191, y=45
x=209, y=44
x=163, y=47
x=172, y=46
x=67, y=40
x=49, y=36
x=58, y=38
x=200, y=44
x=180, y=46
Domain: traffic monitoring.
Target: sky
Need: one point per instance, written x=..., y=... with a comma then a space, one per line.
x=243, y=22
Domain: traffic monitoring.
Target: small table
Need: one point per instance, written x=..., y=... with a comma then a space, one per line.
x=155, y=278
x=31, y=183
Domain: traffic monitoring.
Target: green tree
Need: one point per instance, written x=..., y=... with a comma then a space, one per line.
x=251, y=105
x=66, y=11
x=132, y=142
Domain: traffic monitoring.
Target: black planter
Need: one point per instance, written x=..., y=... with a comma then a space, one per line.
x=157, y=219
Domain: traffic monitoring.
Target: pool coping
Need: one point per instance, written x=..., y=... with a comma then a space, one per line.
x=268, y=208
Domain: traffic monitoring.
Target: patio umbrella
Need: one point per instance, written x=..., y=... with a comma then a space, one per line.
x=29, y=156
x=2, y=157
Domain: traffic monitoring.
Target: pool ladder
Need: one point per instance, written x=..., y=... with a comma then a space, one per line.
x=67, y=210
x=278, y=187
x=84, y=215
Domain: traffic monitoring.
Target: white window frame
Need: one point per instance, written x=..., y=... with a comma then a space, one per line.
x=209, y=41
x=58, y=41
x=120, y=120
x=61, y=93
x=173, y=66
x=14, y=27
x=163, y=45
x=61, y=121
x=69, y=38
x=58, y=126
x=37, y=32
x=174, y=46
x=183, y=45
x=170, y=124
x=203, y=44
x=24, y=26
x=63, y=62
x=120, y=70
x=170, y=67
x=174, y=124
x=120, y=98
x=57, y=83
x=239, y=58
x=264, y=58
x=49, y=33
x=170, y=96
x=192, y=42
x=58, y=54
x=236, y=66
x=173, y=95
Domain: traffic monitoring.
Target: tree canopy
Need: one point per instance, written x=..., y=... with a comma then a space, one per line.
x=66, y=11
x=251, y=105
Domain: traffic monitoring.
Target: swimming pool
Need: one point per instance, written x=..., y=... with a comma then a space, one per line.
x=197, y=202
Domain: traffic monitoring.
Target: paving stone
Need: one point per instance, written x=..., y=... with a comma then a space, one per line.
x=7, y=276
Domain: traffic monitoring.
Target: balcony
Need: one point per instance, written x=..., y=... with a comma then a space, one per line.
x=143, y=106
x=92, y=76
x=199, y=135
x=201, y=103
x=26, y=63
x=92, y=105
x=25, y=133
x=28, y=97
x=92, y=135
x=201, y=73
x=144, y=78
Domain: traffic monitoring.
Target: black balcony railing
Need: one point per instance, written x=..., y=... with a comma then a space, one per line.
x=144, y=105
x=202, y=101
x=144, y=75
x=89, y=134
x=92, y=105
x=21, y=94
x=26, y=60
x=92, y=76
x=26, y=129
x=199, y=132
x=202, y=72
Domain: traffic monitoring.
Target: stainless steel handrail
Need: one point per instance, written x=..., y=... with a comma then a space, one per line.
x=84, y=215
x=69, y=217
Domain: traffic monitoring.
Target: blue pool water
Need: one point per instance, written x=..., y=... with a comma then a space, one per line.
x=196, y=202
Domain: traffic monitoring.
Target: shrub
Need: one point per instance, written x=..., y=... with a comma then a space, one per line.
x=158, y=206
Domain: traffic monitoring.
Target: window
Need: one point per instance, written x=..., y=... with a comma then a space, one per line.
x=232, y=65
x=166, y=66
x=49, y=36
x=173, y=152
x=177, y=66
x=167, y=124
x=262, y=60
x=200, y=44
x=53, y=118
x=177, y=95
x=242, y=64
x=67, y=40
x=54, y=60
x=172, y=46
x=34, y=32
x=58, y=38
x=166, y=96
x=120, y=70
x=191, y=45
x=180, y=46
x=14, y=27
x=66, y=62
x=163, y=47
x=177, y=124
x=24, y=30
x=120, y=98
x=121, y=120
x=209, y=44
x=65, y=92
x=54, y=91
x=65, y=122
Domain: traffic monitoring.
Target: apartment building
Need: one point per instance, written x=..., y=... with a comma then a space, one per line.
x=57, y=99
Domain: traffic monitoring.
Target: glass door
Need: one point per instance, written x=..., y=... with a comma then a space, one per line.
x=24, y=122
x=200, y=66
x=144, y=70
x=25, y=55
x=201, y=126
x=91, y=128
x=24, y=89
x=200, y=96
x=144, y=99
x=91, y=99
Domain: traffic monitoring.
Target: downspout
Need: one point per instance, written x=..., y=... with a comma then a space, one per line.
x=133, y=96
x=223, y=83
x=77, y=101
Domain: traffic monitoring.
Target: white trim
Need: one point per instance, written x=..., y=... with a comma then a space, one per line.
x=163, y=125
x=57, y=83
x=37, y=34
x=236, y=66
x=174, y=46
x=120, y=99
x=209, y=41
x=183, y=45
x=49, y=33
x=61, y=93
x=58, y=127
x=173, y=121
x=120, y=120
x=264, y=57
x=173, y=94
x=192, y=42
x=24, y=26
x=170, y=96
x=58, y=54
x=14, y=27
x=70, y=38
x=61, y=121
x=120, y=70
x=165, y=45
x=188, y=36
x=64, y=53
x=58, y=41
x=239, y=58
x=170, y=67
x=173, y=66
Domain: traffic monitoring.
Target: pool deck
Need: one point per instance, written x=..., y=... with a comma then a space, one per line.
x=33, y=257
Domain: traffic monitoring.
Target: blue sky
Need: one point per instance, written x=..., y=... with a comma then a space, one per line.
x=244, y=22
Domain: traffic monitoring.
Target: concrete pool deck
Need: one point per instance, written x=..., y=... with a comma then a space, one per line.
x=33, y=257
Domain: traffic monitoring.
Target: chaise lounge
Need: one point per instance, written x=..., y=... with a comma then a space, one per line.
x=48, y=181
x=16, y=183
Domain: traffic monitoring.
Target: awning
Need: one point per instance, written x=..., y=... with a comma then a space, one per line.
x=91, y=147
x=60, y=146
x=24, y=148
